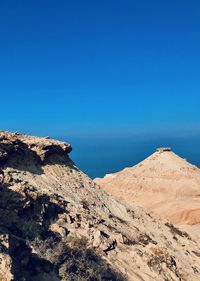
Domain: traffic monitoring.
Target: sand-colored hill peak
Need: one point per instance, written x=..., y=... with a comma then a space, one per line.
x=164, y=184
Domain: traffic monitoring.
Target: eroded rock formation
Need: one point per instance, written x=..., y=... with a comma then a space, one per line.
x=164, y=184
x=56, y=224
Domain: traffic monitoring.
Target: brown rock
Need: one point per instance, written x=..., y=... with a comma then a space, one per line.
x=53, y=215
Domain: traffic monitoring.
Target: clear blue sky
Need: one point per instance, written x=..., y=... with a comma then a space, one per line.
x=100, y=66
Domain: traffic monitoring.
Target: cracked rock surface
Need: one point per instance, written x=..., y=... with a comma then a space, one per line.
x=57, y=224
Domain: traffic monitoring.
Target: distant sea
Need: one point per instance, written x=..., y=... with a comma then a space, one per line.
x=98, y=156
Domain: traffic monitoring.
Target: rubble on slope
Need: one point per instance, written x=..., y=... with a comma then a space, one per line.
x=56, y=224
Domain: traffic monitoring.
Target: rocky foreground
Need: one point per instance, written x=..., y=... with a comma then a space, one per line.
x=57, y=224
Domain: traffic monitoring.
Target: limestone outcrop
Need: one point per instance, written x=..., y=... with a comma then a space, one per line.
x=42, y=149
x=57, y=224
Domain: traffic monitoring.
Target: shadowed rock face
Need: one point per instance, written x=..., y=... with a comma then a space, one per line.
x=40, y=149
x=56, y=224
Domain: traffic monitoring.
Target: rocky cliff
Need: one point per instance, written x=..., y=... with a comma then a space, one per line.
x=56, y=224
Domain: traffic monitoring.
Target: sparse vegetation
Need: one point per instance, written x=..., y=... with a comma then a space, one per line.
x=175, y=230
x=85, y=204
x=75, y=261
x=156, y=260
x=54, y=227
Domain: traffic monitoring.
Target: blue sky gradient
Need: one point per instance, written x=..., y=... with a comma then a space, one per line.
x=94, y=69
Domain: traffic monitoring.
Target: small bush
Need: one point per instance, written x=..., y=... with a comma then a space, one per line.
x=177, y=231
x=76, y=262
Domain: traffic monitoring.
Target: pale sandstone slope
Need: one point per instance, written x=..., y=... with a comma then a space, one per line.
x=56, y=224
x=164, y=184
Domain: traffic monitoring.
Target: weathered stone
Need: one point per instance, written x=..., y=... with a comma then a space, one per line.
x=52, y=219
